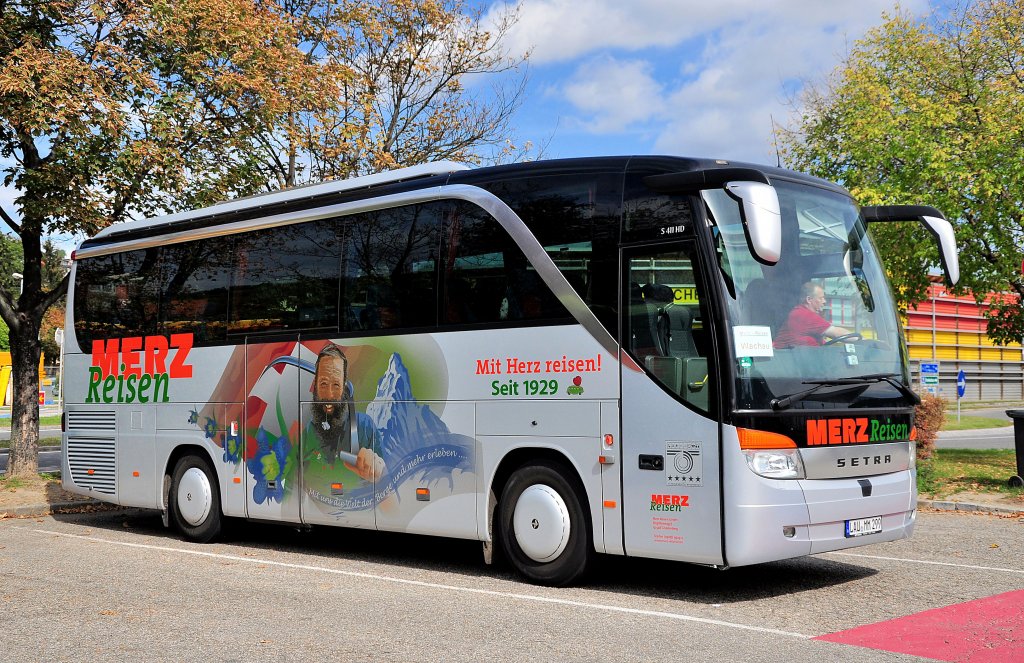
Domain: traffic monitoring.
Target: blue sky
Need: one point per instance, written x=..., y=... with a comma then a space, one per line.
x=685, y=77
x=678, y=76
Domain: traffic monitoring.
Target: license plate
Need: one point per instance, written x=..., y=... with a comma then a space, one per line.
x=862, y=526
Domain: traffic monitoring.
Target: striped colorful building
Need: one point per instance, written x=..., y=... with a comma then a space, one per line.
x=951, y=330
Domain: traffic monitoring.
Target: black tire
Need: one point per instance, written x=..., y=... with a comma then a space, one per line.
x=555, y=557
x=197, y=515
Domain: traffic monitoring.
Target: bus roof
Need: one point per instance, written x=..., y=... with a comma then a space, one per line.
x=290, y=195
x=440, y=172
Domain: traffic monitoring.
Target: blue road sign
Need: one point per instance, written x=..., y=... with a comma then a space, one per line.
x=961, y=384
x=929, y=367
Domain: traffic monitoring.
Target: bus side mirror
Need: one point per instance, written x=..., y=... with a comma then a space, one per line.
x=936, y=223
x=762, y=218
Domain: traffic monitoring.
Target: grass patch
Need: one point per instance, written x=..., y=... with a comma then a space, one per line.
x=51, y=420
x=12, y=483
x=970, y=422
x=952, y=471
x=43, y=442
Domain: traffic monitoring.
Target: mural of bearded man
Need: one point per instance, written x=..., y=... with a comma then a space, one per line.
x=332, y=410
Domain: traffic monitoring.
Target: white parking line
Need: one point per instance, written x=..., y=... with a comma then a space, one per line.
x=925, y=561
x=432, y=585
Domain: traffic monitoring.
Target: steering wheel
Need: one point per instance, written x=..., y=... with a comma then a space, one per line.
x=854, y=337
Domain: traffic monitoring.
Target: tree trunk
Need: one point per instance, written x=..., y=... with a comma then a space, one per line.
x=24, y=455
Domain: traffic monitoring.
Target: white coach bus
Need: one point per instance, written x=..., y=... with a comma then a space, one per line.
x=559, y=359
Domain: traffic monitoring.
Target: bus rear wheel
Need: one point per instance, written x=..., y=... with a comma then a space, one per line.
x=544, y=531
x=194, y=500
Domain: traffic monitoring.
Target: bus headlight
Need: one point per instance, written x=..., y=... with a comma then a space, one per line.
x=775, y=463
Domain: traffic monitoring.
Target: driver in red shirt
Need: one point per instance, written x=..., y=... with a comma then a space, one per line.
x=804, y=325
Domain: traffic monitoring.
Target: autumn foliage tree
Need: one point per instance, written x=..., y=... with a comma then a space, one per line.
x=424, y=80
x=932, y=112
x=110, y=109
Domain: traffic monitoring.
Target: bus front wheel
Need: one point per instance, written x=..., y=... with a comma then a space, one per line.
x=194, y=500
x=543, y=526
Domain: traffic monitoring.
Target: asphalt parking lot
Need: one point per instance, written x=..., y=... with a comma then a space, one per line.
x=115, y=584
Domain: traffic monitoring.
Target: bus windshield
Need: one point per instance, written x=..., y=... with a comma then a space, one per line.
x=818, y=329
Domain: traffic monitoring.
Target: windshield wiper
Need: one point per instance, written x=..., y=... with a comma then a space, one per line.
x=858, y=381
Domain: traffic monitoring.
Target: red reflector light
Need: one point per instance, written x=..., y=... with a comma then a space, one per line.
x=90, y=471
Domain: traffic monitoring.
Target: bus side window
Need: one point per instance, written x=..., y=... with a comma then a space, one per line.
x=486, y=277
x=666, y=321
x=389, y=272
x=117, y=295
x=286, y=278
x=194, y=284
x=576, y=219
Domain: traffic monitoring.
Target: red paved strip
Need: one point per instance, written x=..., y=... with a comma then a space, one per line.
x=989, y=630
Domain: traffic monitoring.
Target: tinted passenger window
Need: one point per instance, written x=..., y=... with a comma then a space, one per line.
x=576, y=220
x=194, y=284
x=117, y=296
x=487, y=277
x=389, y=278
x=286, y=278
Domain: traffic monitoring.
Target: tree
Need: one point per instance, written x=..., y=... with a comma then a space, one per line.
x=932, y=113
x=53, y=270
x=110, y=109
x=407, y=68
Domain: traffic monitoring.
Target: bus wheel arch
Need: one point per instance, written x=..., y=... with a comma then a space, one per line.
x=543, y=527
x=192, y=494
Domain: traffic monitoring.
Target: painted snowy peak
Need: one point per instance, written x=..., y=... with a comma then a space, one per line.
x=402, y=422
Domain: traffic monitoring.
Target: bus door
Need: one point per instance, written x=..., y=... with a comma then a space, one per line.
x=670, y=436
x=272, y=430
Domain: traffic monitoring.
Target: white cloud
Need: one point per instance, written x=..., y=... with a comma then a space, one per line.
x=614, y=94
x=560, y=30
x=7, y=196
x=732, y=64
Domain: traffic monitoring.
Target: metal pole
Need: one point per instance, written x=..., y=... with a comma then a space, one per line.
x=934, y=295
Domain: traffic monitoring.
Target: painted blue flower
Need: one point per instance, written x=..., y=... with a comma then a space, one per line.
x=269, y=464
x=193, y=417
x=232, y=449
x=210, y=428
